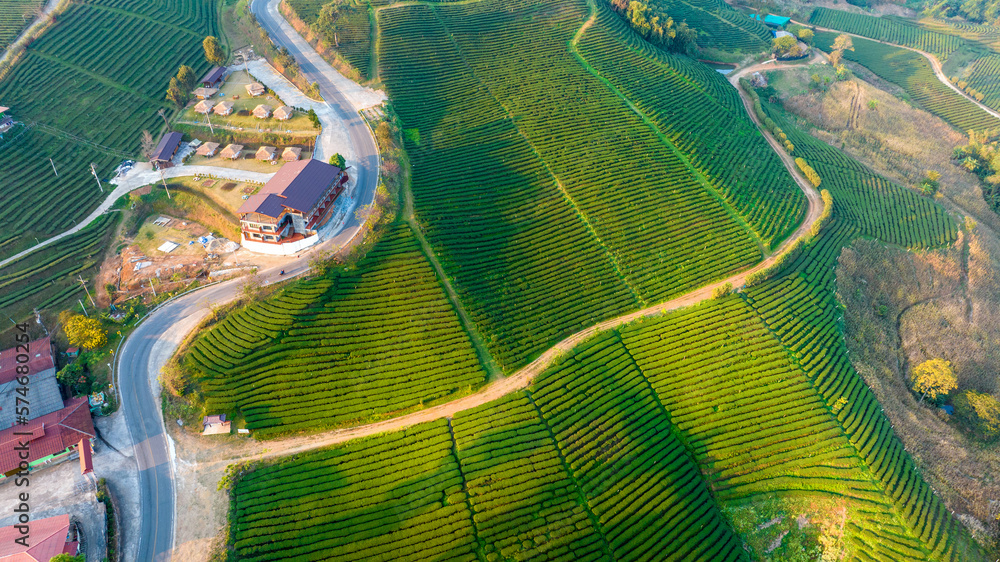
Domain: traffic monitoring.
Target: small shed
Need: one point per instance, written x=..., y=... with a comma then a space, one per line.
x=208, y=149
x=255, y=89
x=267, y=153
x=204, y=107
x=780, y=33
x=215, y=425
x=166, y=149
x=232, y=151
x=284, y=113
x=262, y=111
x=214, y=77
x=205, y=93
x=224, y=108
x=73, y=352
x=291, y=154
x=776, y=21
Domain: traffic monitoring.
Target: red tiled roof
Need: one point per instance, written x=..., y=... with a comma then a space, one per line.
x=39, y=359
x=47, y=538
x=297, y=186
x=49, y=434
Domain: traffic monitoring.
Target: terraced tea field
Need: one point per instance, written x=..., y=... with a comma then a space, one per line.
x=736, y=429
x=46, y=279
x=352, y=30
x=914, y=74
x=347, y=346
x=889, y=29
x=718, y=25
x=15, y=16
x=620, y=202
x=90, y=85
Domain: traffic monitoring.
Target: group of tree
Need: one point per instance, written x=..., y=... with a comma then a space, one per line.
x=656, y=27
x=213, y=51
x=181, y=85
x=842, y=43
x=979, y=11
x=969, y=90
x=935, y=379
x=981, y=156
x=931, y=182
x=808, y=171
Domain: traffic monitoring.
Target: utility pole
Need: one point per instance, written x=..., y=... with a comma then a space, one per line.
x=53, y=167
x=84, y=283
x=209, y=119
x=38, y=320
x=93, y=170
x=83, y=307
x=152, y=287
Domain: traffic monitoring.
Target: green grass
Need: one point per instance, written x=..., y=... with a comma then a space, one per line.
x=15, y=15
x=350, y=345
x=587, y=184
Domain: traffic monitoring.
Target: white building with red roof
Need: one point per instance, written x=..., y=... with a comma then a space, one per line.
x=284, y=216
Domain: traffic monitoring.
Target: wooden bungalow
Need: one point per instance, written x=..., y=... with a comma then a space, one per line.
x=283, y=113
x=291, y=154
x=267, y=153
x=232, y=151
x=262, y=111
x=224, y=108
x=205, y=93
x=204, y=107
x=208, y=149
x=255, y=89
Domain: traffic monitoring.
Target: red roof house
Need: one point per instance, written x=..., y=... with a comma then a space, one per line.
x=46, y=538
x=39, y=359
x=48, y=437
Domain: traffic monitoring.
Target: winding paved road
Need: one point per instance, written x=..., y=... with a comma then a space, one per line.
x=156, y=339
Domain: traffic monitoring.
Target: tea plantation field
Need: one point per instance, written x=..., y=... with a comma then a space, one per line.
x=15, y=15
x=87, y=88
x=733, y=430
x=889, y=29
x=346, y=346
x=588, y=168
x=719, y=25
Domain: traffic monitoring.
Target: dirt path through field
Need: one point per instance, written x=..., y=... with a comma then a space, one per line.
x=935, y=64
x=524, y=376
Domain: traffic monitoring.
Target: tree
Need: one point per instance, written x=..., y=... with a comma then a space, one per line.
x=785, y=46
x=806, y=35
x=175, y=94
x=187, y=77
x=722, y=291
x=70, y=374
x=840, y=44
x=873, y=104
x=213, y=51
x=337, y=160
x=981, y=411
x=933, y=378
x=67, y=558
x=84, y=332
x=148, y=145
x=313, y=118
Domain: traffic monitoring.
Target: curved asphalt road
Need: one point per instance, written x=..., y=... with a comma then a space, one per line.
x=155, y=340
